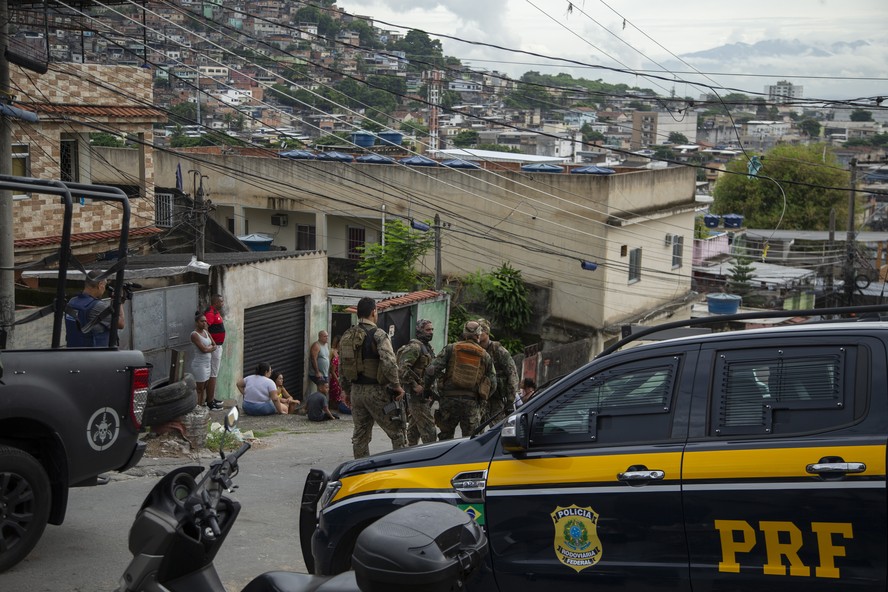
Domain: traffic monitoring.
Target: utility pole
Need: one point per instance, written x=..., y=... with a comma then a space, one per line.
x=437, y=252
x=7, y=241
x=849, y=239
x=200, y=214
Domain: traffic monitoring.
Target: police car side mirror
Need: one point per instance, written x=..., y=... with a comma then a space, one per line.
x=514, y=435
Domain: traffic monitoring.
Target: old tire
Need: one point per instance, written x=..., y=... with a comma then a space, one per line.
x=167, y=402
x=24, y=504
x=862, y=281
x=168, y=393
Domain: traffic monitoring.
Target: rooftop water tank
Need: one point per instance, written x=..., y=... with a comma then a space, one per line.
x=723, y=303
x=363, y=139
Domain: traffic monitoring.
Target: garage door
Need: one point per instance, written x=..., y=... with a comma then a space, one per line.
x=275, y=333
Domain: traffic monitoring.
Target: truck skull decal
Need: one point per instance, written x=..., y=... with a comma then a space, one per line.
x=576, y=537
x=102, y=429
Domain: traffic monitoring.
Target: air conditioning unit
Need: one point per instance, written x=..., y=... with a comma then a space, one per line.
x=279, y=219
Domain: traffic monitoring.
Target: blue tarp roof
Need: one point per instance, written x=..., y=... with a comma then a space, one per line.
x=456, y=163
x=593, y=170
x=542, y=168
x=418, y=161
x=337, y=156
x=375, y=159
x=298, y=154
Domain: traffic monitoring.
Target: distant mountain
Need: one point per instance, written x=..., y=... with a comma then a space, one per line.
x=774, y=48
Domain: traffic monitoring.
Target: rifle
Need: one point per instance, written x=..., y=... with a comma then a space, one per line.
x=398, y=406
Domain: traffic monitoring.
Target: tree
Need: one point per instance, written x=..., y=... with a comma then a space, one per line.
x=417, y=129
x=810, y=127
x=421, y=50
x=761, y=201
x=390, y=267
x=677, y=138
x=529, y=96
x=106, y=139
x=465, y=138
x=590, y=135
x=184, y=113
x=739, y=277
x=504, y=295
x=861, y=115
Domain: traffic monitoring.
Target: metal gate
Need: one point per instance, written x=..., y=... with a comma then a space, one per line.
x=275, y=333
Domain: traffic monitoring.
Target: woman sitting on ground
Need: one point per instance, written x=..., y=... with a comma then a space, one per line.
x=260, y=392
x=278, y=377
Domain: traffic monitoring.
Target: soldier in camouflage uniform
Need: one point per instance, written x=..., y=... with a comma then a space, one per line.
x=461, y=406
x=413, y=359
x=368, y=395
x=501, y=402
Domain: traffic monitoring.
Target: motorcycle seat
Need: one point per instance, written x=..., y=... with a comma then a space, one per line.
x=286, y=581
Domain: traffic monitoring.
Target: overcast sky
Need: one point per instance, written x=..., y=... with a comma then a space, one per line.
x=594, y=32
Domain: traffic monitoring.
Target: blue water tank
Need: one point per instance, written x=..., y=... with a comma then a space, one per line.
x=257, y=242
x=711, y=220
x=393, y=138
x=363, y=139
x=718, y=303
x=733, y=221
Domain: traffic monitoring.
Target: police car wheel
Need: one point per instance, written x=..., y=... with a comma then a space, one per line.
x=24, y=504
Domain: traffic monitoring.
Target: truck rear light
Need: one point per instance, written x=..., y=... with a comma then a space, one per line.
x=139, y=394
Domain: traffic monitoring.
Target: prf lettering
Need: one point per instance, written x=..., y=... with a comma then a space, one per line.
x=782, y=540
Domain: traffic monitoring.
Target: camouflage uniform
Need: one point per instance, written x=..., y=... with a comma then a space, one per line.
x=458, y=406
x=368, y=396
x=412, y=362
x=502, y=402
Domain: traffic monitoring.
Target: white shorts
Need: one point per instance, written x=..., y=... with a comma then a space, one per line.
x=215, y=361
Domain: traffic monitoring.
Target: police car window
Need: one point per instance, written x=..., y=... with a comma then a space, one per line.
x=782, y=390
x=627, y=403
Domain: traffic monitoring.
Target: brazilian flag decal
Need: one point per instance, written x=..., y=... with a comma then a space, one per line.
x=476, y=511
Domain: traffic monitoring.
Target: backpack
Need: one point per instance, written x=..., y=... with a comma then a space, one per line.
x=351, y=352
x=464, y=369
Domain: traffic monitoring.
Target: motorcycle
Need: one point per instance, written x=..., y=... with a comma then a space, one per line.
x=186, y=517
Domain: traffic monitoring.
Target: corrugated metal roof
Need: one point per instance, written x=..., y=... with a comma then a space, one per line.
x=84, y=237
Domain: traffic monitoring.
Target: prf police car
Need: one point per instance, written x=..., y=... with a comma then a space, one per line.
x=750, y=460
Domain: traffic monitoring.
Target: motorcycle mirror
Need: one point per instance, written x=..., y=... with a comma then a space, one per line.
x=230, y=424
x=231, y=419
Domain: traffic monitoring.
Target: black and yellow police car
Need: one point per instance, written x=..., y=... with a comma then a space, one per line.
x=748, y=460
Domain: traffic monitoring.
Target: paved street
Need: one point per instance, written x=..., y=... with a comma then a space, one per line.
x=88, y=553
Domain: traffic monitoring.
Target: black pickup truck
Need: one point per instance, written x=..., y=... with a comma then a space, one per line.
x=66, y=415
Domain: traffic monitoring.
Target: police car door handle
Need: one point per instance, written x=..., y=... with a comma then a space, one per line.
x=639, y=474
x=833, y=468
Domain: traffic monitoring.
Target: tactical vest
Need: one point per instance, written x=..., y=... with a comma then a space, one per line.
x=370, y=354
x=465, y=368
x=76, y=317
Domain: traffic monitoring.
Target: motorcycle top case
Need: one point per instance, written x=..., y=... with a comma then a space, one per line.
x=426, y=546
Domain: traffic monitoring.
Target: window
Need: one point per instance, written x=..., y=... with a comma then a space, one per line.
x=783, y=390
x=628, y=403
x=69, y=162
x=163, y=209
x=21, y=165
x=356, y=239
x=634, y=265
x=677, y=251
x=306, y=239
